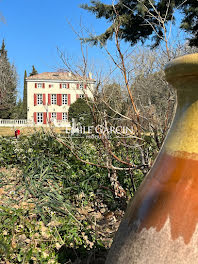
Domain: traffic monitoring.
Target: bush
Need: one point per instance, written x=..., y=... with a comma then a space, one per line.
x=67, y=196
x=81, y=112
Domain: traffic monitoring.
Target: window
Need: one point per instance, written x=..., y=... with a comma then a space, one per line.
x=64, y=85
x=39, y=85
x=64, y=99
x=39, y=117
x=81, y=86
x=65, y=116
x=51, y=85
x=54, y=99
x=54, y=115
x=81, y=96
x=39, y=99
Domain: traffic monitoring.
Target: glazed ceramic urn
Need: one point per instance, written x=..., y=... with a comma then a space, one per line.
x=161, y=223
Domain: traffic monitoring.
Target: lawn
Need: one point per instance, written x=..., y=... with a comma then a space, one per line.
x=9, y=131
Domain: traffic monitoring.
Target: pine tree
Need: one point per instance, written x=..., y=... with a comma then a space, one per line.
x=8, y=84
x=17, y=112
x=34, y=71
x=131, y=19
x=190, y=21
x=25, y=96
x=3, y=51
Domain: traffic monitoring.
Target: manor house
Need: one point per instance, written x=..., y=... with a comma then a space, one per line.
x=50, y=94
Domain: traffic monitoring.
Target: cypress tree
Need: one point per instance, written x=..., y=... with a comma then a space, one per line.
x=25, y=96
x=8, y=84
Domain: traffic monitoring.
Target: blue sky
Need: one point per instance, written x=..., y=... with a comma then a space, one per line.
x=35, y=28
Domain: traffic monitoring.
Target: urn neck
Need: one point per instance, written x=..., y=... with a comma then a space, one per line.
x=182, y=73
x=187, y=94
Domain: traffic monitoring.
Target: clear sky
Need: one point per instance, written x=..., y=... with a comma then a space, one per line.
x=33, y=30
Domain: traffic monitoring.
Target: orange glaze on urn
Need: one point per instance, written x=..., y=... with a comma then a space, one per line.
x=172, y=192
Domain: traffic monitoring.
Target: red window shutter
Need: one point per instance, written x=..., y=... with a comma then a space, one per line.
x=35, y=85
x=35, y=99
x=49, y=99
x=59, y=116
x=86, y=95
x=60, y=85
x=69, y=99
x=77, y=96
x=50, y=115
x=60, y=99
x=43, y=85
x=44, y=99
x=85, y=86
x=68, y=86
x=77, y=85
x=35, y=118
x=44, y=118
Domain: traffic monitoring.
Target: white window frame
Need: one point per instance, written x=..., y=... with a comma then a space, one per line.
x=64, y=99
x=39, y=99
x=53, y=99
x=40, y=118
x=82, y=96
x=65, y=116
x=39, y=85
x=64, y=85
x=53, y=115
x=81, y=86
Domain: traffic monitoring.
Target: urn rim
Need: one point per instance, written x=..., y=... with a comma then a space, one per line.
x=182, y=67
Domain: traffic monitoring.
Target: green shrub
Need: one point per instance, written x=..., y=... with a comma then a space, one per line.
x=60, y=186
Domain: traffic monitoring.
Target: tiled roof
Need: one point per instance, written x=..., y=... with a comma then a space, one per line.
x=57, y=76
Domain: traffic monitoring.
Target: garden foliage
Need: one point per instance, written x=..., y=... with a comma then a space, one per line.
x=64, y=200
